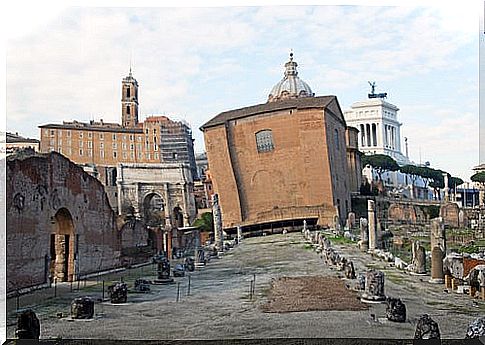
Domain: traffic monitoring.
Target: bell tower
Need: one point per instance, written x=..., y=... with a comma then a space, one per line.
x=129, y=101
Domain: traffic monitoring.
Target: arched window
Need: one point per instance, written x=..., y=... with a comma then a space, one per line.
x=128, y=109
x=128, y=92
x=264, y=141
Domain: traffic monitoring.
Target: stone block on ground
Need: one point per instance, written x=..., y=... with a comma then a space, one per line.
x=82, y=308
x=28, y=325
x=427, y=328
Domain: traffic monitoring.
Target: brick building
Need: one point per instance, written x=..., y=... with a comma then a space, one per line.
x=278, y=163
x=15, y=142
x=102, y=145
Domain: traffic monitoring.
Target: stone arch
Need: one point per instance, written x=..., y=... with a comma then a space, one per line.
x=62, y=246
x=154, y=209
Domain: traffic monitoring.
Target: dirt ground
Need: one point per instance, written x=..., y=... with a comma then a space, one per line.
x=291, y=294
x=219, y=306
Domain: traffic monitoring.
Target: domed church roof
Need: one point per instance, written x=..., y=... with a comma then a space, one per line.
x=291, y=86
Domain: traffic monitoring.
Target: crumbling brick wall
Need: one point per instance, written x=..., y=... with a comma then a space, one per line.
x=39, y=187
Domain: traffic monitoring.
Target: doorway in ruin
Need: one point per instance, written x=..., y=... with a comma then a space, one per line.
x=62, y=246
x=178, y=217
x=154, y=210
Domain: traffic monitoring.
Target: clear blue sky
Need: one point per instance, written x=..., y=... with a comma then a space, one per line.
x=192, y=63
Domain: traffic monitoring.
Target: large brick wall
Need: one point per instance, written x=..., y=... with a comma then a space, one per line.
x=44, y=193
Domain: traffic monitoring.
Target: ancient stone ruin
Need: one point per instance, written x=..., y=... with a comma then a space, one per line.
x=374, y=286
x=118, y=293
x=190, y=264
x=82, y=308
x=395, y=310
x=28, y=325
x=163, y=272
x=419, y=258
x=364, y=235
x=476, y=328
x=426, y=328
x=179, y=270
x=142, y=285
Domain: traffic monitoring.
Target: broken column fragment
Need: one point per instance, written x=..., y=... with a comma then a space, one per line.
x=82, y=308
x=395, y=310
x=426, y=328
x=28, y=325
x=374, y=286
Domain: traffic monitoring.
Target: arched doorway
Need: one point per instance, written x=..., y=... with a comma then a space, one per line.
x=62, y=248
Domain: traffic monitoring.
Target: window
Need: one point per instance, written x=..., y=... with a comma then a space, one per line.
x=174, y=155
x=81, y=143
x=80, y=134
x=101, y=154
x=132, y=147
x=115, y=146
x=123, y=146
x=131, y=137
x=101, y=136
x=128, y=92
x=148, y=156
x=154, y=139
x=60, y=142
x=80, y=152
x=146, y=131
x=138, y=138
x=154, y=131
x=337, y=145
x=52, y=142
x=156, y=155
x=60, y=133
x=52, y=133
x=90, y=135
x=124, y=155
x=264, y=141
x=114, y=136
x=155, y=147
x=132, y=155
x=68, y=133
x=101, y=145
x=124, y=137
x=90, y=153
x=90, y=144
x=128, y=109
x=115, y=154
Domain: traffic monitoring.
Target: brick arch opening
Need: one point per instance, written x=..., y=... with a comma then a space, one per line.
x=62, y=247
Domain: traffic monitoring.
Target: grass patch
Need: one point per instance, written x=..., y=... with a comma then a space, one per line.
x=340, y=240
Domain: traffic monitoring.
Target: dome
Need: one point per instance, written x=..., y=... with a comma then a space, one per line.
x=291, y=86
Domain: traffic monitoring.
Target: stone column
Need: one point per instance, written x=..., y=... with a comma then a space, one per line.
x=239, y=234
x=372, y=224
x=447, y=197
x=437, y=275
x=419, y=258
x=438, y=250
x=364, y=235
x=218, y=235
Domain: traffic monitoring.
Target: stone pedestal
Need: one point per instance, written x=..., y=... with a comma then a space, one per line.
x=28, y=325
x=437, y=275
x=372, y=225
x=142, y=285
x=448, y=281
x=374, y=287
x=163, y=273
x=427, y=328
x=82, y=308
x=476, y=329
x=454, y=284
x=118, y=293
x=395, y=310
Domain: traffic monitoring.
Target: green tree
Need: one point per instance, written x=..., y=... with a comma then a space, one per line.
x=479, y=178
x=380, y=163
x=205, y=223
